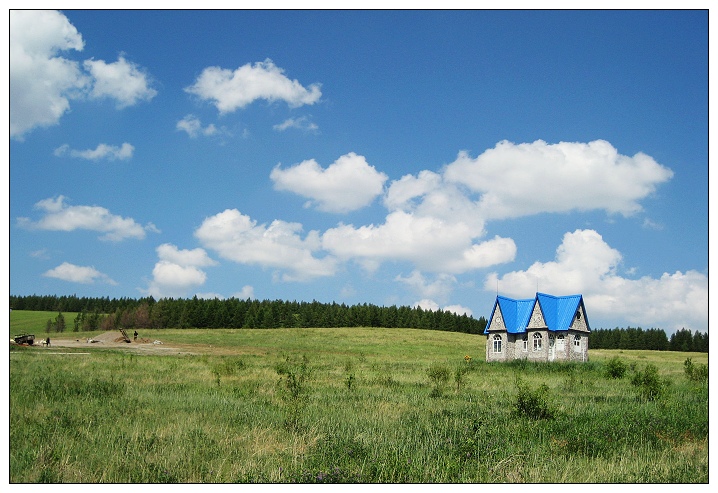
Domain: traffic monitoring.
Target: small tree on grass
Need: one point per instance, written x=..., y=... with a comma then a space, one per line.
x=649, y=384
x=439, y=376
x=616, y=368
x=695, y=373
x=533, y=404
x=294, y=375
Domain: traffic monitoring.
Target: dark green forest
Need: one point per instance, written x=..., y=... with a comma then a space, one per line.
x=148, y=313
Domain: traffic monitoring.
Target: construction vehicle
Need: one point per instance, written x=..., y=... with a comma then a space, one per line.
x=124, y=334
x=25, y=339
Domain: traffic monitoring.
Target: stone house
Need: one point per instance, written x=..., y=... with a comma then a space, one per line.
x=545, y=328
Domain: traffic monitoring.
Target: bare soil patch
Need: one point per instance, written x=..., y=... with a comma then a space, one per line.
x=115, y=340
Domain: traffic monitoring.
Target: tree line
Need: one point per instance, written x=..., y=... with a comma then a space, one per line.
x=148, y=313
x=655, y=339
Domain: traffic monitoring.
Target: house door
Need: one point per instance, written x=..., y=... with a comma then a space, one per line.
x=551, y=347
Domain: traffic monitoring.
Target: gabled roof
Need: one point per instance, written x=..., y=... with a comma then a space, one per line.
x=558, y=312
x=516, y=313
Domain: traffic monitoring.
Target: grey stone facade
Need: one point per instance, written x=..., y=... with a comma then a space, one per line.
x=537, y=342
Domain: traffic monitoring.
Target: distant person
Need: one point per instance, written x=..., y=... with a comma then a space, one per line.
x=135, y=336
x=47, y=342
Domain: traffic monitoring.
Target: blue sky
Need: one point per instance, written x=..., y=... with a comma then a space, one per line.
x=387, y=157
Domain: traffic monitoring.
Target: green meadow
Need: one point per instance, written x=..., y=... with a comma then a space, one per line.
x=350, y=405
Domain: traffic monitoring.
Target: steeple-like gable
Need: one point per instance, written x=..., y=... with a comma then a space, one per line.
x=560, y=311
x=557, y=313
x=512, y=314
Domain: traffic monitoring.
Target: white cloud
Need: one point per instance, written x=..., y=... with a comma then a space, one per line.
x=440, y=288
x=648, y=224
x=301, y=123
x=62, y=217
x=41, y=254
x=177, y=271
x=231, y=90
x=196, y=258
x=238, y=238
x=193, y=126
x=123, y=81
x=431, y=305
x=348, y=184
x=247, y=292
x=42, y=83
x=427, y=305
x=75, y=273
x=102, y=151
x=531, y=178
x=432, y=244
x=459, y=310
x=168, y=275
x=585, y=264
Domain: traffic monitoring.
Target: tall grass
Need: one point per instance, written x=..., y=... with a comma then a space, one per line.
x=232, y=414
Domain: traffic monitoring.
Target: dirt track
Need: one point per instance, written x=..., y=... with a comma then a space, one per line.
x=113, y=340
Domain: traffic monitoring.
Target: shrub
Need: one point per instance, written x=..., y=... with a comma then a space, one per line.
x=295, y=375
x=616, y=368
x=695, y=373
x=649, y=384
x=438, y=375
x=532, y=403
x=459, y=373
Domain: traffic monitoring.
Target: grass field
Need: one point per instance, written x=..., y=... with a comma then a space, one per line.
x=26, y=321
x=348, y=405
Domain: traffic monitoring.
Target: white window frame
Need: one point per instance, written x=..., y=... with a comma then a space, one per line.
x=525, y=341
x=497, y=343
x=577, y=343
x=538, y=342
x=560, y=342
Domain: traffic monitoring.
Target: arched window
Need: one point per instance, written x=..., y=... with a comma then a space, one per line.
x=538, y=340
x=551, y=341
x=560, y=344
x=497, y=343
x=577, y=342
x=525, y=341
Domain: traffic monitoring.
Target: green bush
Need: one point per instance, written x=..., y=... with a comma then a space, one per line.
x=438, y=375
x=616, y=368
x=649, y=384
x=695, y=373
x=532, y=403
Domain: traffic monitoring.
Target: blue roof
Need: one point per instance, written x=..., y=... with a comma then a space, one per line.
x=558, y=312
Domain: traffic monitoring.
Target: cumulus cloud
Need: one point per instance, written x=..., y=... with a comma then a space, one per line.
x=431, y=305
x=177, y=271
x=76, y=273
x=440, y=288
x=232, y=90
x=301, y=123
x=102, y=151
x=193, y=126
x=123, y=81
x=196, y=258
x=432, y=244
x=459, y=310
x=43, y=82
x=348, y=184
x=62, y=217
x=247, y=292
x=517, y=180
x=586, y=264
x=236, y=237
